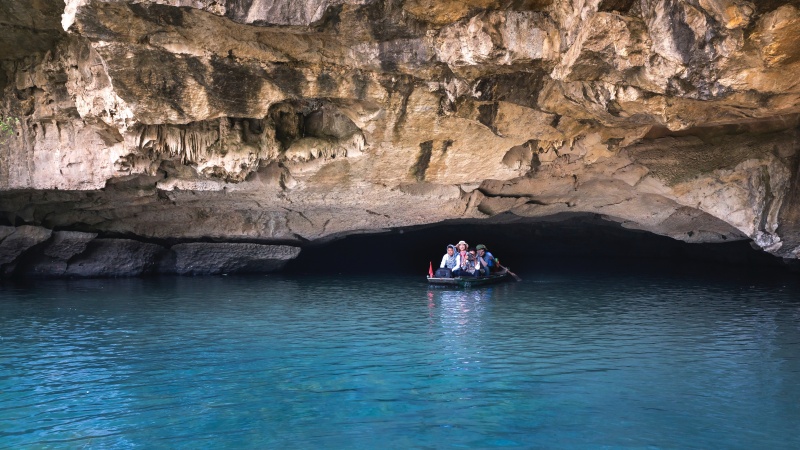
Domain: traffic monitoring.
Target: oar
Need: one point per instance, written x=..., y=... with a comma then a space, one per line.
x=509, y=272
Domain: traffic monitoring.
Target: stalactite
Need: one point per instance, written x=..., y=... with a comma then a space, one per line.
x=189, y=143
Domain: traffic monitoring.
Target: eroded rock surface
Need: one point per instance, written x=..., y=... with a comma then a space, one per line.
x=20, y=240
x=283, y=121
x=116, y=258
x=216, y=258
x=54, y=259
x=35, y=251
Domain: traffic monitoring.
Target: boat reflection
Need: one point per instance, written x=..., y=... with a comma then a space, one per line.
x=456, y=319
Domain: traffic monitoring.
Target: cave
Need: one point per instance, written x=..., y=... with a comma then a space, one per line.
x=401, y=123
x=216, y=216
x=570, y=243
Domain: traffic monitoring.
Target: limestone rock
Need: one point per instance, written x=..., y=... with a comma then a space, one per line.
x=499, y=38
x=200, y=258
x=20, y=240
x=278, y=121
x=55, y=257
x=116, y=258
x=5, y=232
x=28, y=26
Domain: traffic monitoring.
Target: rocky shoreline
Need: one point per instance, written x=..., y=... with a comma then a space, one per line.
x=30, y=251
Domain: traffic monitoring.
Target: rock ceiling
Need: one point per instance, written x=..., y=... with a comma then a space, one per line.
x=282, y=122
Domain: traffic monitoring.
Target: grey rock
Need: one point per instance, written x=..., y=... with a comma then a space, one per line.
x=29, y=26
x=5, y=232
x=43, y=267
x=199, y=258
x=116, y=258
x=22, y=239
x=67, y=244
x=54, y=259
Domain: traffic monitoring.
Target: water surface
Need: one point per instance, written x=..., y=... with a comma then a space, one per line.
x=556, y=361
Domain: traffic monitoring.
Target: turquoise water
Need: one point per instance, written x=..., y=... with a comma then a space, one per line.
x=556, y=361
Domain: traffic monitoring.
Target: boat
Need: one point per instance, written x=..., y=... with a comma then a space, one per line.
x=464, y=282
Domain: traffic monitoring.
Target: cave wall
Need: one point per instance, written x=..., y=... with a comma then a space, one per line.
x=289, y=122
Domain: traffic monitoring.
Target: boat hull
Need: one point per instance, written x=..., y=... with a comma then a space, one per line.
x=465, y=282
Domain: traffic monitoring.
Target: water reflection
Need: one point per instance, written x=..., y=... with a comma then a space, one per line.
x=460, y=310
x=459, y=316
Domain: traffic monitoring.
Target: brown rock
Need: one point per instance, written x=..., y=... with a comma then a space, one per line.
x=282, y=121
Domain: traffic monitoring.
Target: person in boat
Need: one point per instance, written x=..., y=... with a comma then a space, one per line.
x=478, y=263
x=450, y=260
x=469, y=265
x=463, y=265
x=461, y=251
x=489, y=263
x=481, y=267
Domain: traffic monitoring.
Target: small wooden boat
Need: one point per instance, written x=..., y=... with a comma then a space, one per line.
x=497, y=277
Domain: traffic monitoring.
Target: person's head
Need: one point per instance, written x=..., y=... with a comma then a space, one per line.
x=462, y=246
x=451, y=249
x=472, y=252
x=481, y=249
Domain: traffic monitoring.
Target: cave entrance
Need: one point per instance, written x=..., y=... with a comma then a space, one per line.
x=577, y=242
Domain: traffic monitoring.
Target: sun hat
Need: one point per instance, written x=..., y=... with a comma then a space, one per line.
x=462, y=242
x=480, y=247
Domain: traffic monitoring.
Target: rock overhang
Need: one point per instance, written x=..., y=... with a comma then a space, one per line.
x=297, y=121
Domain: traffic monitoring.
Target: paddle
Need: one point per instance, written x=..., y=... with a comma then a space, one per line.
x=509, y=272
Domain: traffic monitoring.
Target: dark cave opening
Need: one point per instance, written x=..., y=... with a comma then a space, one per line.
x=580, y=242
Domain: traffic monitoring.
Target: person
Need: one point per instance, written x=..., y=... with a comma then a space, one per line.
x=464, y=263
x=481, y=266
x=477, y=264
x=450, y=259
x=449, y=262
x=489, y=262
x=469, y=265
x=461, y=250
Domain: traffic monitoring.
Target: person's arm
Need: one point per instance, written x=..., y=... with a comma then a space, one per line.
x=444, y=261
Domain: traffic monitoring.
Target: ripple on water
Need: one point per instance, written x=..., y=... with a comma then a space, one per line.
x=555, y=361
